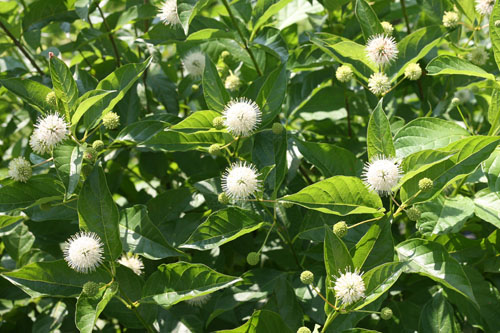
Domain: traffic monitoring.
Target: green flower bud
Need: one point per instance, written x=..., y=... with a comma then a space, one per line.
x=386, y=313
x=253, y=258
x=214, y=149
x=388, y=28
x=413, y=214
x=307, y=277
x=51, y=98
x=413, y=72
x=303, y=329
x=277, y=128
x=90, y=154
x=223, y=198
x=425, y=184
x=218, y=123
x=340, y=229
x=90, y=288
x=344, y=73
x=98, y=145
x=111, y=120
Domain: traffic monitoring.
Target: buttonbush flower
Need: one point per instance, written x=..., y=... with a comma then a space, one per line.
x=388, y=28
x=111, y=120
x=382, y=174
x=381, y=49
x=49, y=132
x=168, y=13
x=20, y=169
x=450, y=19
x=349, y=287
x=241, y=116
x=379, y=83
x=413, y=72
x=194, y=63
x=133, y=262
x=83, y=252
x=240, y=180
x=484, y=7
x=344, y=73
x=478, y=56
x=232, y=82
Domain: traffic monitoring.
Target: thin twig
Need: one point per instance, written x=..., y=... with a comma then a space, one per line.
x=405, y=14
x=111, y=38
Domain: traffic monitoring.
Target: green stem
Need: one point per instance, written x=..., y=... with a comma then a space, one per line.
x=111, y=38
x=42, y=163
x=366, y=221
x=329, y=320
x=465, y=121
x=459, y=186
x=405, y=14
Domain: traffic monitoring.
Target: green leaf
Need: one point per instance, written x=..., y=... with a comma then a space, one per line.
x=495, y=33
x=120, y=81
x=68, y=162
x=197, y=120
x=286, y=303
x=263, y=12
x=330, y=160
x=379, y=136
x=431, y=259
x=375, y=247
x=214, y=91
x=339, y=195
x=272, y=94
x=64, y=85
x=140, y=235
x=30, y=91
x=494, y=112
x=337, y=260
x=446, y=65
x=85, y=102
x=223, y=227
x=187, y=10
x=97, y=212
x=181, y=281
x=269, y=150
x=6, y=220
x=38, y=189
x=262, y=321
x=53, y=278
x=487, y=206
x=368, y=20
x=88, y=308
x=427, y=133
x=444, y=215
x=140, y=131
x=177, y=141
x=437, y=316
x=19, y=241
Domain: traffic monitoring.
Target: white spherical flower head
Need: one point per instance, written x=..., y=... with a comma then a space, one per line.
x=349, y=287
x=240, y=180
x=83, y=252
x=232, y=82
x=382, y=174
x=199, y=300
x=484, y=7
x=478, y=56
x=49, y=132
x=168, y=13
x=451, y=19
x=133, y=262
x=379, y=83
x=381, y=49
x=194, y=63
x=241, y=117
x=20, y=169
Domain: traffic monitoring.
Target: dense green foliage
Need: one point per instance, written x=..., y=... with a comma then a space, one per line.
x=143, y=166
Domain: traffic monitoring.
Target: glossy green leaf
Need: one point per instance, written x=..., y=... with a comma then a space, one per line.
x=431, y=259
x=85, y=102
x=494, y=112
x=263, y=12
x=181, y=281
x=30, y=91
x=197, y=120
x=178, y=141
x=427, y=133
x=6, y=220
x=495, y=33
x=68, y=162
x=53, y=278
x=449, y=65
x=487, y=206
x=98, y=213
x=187, y=10
x=214, y=91
x=140, y=131
x=272, y=94
x=339, y=195
x=491, y=169
x=19, y=241
x=269, y=151
x=38, y=189
x=64, y=84
x=262, y=321
x=368, y=20
x=379, y=136
x=88, y=308
x=444, y=215
x=222, y=227
x=437, y=316
x=140, y=235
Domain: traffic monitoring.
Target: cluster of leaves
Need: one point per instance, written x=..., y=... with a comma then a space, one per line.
x=153, y=190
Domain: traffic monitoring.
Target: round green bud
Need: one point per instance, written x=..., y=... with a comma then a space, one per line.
x=386, y=313
x=455, y=101
x=307, y=277
x=425, y=184
x=413, y=72
x=98, y=145
x=90, y=288
x=225, y=54
x=277, y=128
x=287, y=204
x=218, y=123
x=340, y=229
x=303, y=329
x=413, y=213
x=111, y=120
x=253, y=258
x=223, y=198
x=90, y=154
x=51, y=98
x=214, y=149
x=46, y=206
